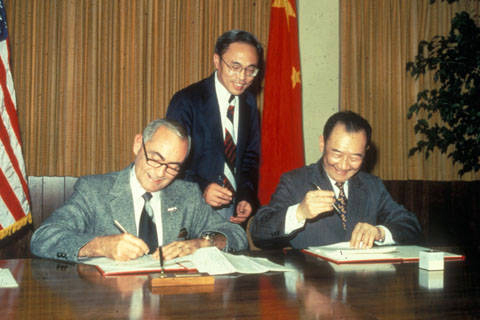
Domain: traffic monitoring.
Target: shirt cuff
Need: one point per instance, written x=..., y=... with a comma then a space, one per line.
x=291, y=222
x=388, y=240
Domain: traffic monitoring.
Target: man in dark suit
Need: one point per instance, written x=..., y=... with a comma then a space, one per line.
x=145, y=200
x=332, y=200
x=228, y=185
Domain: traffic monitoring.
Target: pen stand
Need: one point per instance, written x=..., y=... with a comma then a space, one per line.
x=182, y=279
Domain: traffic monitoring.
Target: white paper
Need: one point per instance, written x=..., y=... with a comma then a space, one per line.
x=142, y=264
x=341, y=252
x=215, y=262
x=210, y=260
x=7, y=280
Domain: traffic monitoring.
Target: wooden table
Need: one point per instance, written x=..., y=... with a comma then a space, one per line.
x=316, y=290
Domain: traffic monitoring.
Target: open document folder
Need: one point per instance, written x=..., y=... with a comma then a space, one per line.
x=342, y=253
x=209, y=260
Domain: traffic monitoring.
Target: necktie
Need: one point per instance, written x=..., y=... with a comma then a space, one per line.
x=230, y=148
x=148, y=230
x=341, y=203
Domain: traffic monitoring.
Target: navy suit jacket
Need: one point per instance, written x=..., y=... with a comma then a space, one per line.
x=196, y=107
x=368, y=201
x=98, y=200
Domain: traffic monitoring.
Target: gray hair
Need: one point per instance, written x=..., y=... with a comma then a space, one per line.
x=171, y=125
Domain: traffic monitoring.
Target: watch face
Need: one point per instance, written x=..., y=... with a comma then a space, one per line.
x=210, y=236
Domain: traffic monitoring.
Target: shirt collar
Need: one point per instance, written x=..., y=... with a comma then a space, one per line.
x=222, y=93
x=137, y=189
x=332, y=181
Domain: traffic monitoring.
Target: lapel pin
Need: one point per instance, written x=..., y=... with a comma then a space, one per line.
x=172, y=209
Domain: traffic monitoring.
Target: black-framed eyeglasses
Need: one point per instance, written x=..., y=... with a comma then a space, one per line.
x=250, y=71
x=171, y=168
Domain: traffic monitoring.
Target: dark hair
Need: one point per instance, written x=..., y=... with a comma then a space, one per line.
x=229, y=37
x=352, y=121
x=171, y=125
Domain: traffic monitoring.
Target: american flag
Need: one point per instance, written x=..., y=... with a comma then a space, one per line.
x=14, y=198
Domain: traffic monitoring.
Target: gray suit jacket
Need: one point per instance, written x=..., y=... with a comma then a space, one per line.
x=97, y=200
x=368, y=201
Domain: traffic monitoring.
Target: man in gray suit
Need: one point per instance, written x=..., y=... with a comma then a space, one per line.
x=332, y=200
x=145, y=200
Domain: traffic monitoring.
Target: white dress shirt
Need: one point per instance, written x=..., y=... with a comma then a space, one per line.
x=223, y=96
x=139, y=203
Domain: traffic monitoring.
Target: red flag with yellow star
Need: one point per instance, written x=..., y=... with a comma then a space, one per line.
x=282, y=135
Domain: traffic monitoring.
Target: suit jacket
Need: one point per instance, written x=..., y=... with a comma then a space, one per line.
x=98, y=200
x=368, y=201
x=196, y=107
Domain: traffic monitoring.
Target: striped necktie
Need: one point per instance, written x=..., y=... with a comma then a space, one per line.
x=341, y=203
x=230, y=148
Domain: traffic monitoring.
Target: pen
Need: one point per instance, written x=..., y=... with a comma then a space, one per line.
x=333, y=204
x=160, y=254
x=119, y=226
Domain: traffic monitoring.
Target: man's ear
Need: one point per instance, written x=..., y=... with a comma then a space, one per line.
x=137, y=143
x=321, y=143
x=216, y=61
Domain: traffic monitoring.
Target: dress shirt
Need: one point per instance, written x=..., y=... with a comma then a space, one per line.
x=222, y=97
x=139, y=203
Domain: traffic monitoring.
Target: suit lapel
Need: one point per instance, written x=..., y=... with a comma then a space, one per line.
x=321, y=179
x=171, y=213
x=121, y=202
x=212, y=113
x=356, y=205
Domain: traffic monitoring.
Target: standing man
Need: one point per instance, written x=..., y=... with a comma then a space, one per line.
x=332, y=200
x=222, y=119
x=145, y=199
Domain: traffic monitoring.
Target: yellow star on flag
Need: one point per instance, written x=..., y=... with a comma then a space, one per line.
x=295, y=77
x=285, y=4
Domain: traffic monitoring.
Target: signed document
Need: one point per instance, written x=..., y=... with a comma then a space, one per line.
x=342, y=253
x=208, y=260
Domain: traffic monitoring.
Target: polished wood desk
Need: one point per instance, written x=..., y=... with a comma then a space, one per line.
x=316, y=290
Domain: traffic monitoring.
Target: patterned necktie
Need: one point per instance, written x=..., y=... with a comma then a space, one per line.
x=341, y=203
x=230, y=148
x=148, y=230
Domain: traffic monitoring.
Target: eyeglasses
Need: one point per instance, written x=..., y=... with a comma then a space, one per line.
x=172, y=168
x=250, y=71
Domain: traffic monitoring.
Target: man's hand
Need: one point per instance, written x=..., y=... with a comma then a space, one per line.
x=365, y=234
x=315, y=203
x=216, y=195
x=181, y=248
x=121, y=247
x=244, y=210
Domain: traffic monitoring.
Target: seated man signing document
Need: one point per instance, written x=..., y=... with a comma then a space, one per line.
x=144, y=200
x=332, y=200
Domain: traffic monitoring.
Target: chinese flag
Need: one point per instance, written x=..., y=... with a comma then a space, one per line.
x=282, y=135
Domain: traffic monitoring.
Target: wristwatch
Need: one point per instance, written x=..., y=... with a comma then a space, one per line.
x=210, y=236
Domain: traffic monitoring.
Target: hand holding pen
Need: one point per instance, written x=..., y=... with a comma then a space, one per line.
x=126, y=245
x=314, y=203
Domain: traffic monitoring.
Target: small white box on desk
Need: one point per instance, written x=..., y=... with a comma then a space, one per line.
x=431, y=260
x=430, y=279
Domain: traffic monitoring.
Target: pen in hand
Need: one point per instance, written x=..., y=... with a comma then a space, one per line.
x=333, y=204
x=119, y=226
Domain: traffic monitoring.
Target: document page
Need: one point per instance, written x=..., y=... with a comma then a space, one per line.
x=342, y=253
x=216, y=262
x=142, y=264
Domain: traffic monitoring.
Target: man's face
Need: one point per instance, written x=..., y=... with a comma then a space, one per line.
x=164, y=147
x=343, y=153
x=239, y=53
